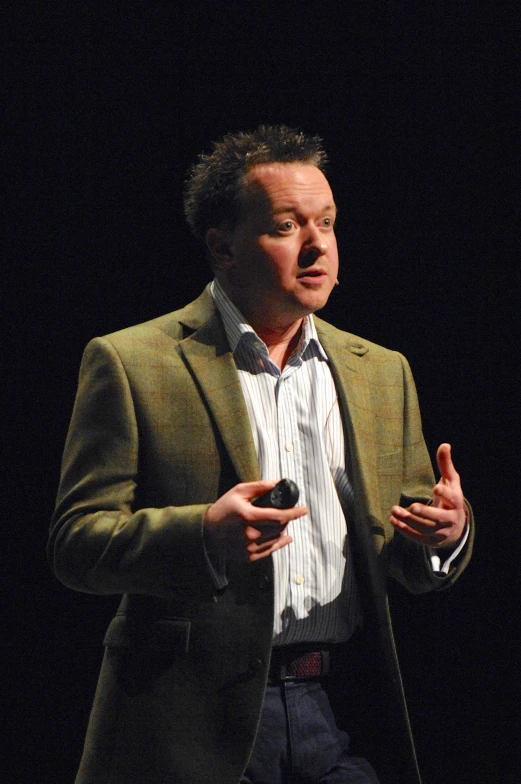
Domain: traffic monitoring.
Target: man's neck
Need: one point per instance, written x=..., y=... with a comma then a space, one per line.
x=281, y=343
x=279, y=332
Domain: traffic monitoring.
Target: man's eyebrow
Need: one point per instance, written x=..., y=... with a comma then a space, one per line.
x=327, y=208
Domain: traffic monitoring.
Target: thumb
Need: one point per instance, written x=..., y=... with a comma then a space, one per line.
x=445, y=464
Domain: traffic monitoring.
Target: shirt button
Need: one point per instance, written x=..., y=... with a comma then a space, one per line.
x=299, y=579
x=289, y=447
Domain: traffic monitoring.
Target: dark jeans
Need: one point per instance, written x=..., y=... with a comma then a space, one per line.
x=299, y=743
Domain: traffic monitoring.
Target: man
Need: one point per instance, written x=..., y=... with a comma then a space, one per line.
x=252, y=644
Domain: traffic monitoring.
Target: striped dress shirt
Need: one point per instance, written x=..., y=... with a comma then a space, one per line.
x=298, y=434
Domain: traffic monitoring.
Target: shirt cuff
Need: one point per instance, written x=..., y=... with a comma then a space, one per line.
x=442, y=568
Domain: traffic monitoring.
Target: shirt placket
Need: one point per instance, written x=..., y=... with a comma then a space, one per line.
x=291, y=464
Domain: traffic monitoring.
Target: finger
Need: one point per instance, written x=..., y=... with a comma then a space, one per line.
x=255, y=514
x=442, y=517
x=424, y=519
x=263, y=551
x=447, y=532
x=270, y=531
x=445, y=464
x=422, y=514
x=427, y=540
x=261, y=546
x=251, y=533
x=418, y=525
x=263, y=533
x=446, y=496
x=437, y=522
x=251, y=490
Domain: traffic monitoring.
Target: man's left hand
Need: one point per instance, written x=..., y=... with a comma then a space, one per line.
x=442, y=523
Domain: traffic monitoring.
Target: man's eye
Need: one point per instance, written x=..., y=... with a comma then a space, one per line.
x=327, y=223
x=285, y=226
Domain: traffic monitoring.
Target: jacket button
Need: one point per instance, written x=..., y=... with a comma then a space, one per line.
x=256, y=665
x=264, y=582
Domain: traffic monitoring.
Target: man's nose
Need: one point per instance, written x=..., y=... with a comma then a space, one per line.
x=314, y=247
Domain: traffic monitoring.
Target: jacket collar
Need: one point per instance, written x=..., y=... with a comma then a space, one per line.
x=198, y=312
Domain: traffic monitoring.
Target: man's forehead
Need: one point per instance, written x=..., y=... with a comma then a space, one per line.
x=277, y=185
x=267, y=172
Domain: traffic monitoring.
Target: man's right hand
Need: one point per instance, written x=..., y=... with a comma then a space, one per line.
x=234, y=523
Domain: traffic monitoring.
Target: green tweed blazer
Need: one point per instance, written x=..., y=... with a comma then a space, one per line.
x=159, y=430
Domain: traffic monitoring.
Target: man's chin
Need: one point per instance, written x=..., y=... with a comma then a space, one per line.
x=312, y=302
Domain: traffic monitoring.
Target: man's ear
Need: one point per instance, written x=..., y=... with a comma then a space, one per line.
x=219, y=243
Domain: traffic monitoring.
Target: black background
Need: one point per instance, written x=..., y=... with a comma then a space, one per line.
x=105, y=106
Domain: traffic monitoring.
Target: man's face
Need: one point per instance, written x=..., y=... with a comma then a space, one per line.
x=284, y=257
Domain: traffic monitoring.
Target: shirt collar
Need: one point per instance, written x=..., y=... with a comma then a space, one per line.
x=235, y=325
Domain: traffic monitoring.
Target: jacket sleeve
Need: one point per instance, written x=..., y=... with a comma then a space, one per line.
x=410, y=563
x=100, y=540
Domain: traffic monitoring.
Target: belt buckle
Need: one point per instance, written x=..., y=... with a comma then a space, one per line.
x=283, y=674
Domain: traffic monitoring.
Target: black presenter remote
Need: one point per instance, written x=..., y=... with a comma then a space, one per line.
x=283, y=496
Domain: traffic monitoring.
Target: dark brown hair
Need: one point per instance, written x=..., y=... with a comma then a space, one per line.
x=214, y=185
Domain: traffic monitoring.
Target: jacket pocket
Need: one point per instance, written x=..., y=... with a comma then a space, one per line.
x=167, y=634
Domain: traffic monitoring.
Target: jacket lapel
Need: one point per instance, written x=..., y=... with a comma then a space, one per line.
x=349, y=372
x=346, y=357
x=211, y=361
